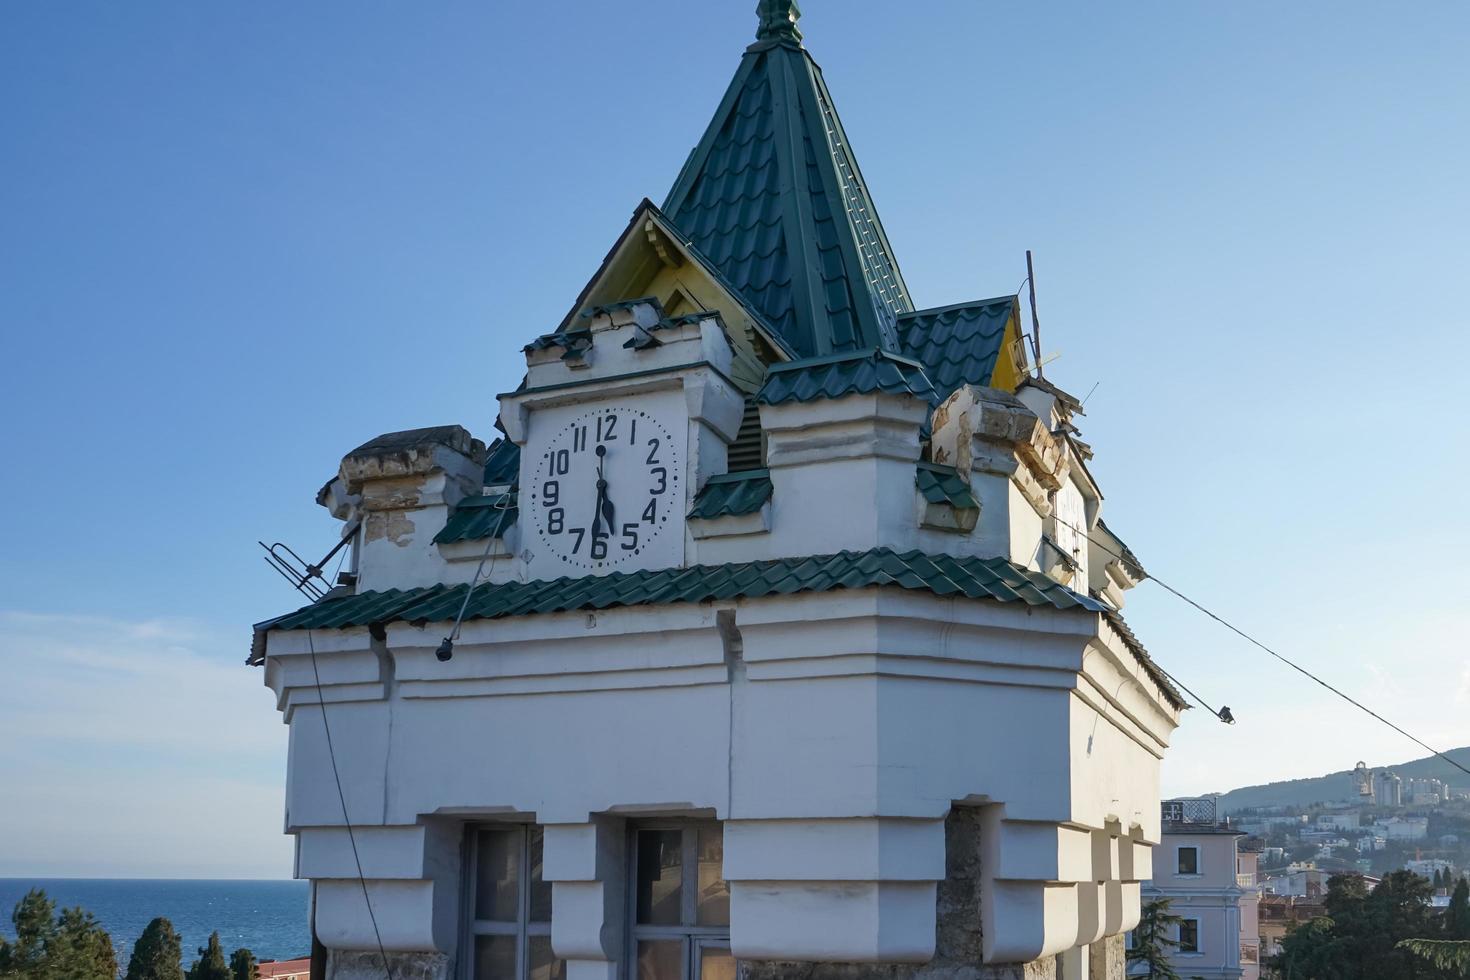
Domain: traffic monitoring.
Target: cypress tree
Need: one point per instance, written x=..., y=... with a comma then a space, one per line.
x=211, y=964
x=1151, y=942
x=158, y=954
x=1457, y=916
x=242, y=965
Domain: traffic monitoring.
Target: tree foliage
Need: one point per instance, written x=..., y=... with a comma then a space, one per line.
x=211, y=964
x=158, y=953
x=1377, y=935
x=1152, y=941
x=1449, y=955
x=71, y=946
x=242, y=965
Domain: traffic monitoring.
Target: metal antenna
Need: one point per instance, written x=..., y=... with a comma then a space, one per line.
x=1035, y=321
x=306, y=577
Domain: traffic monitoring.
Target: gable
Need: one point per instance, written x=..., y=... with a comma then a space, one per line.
x=975, y=343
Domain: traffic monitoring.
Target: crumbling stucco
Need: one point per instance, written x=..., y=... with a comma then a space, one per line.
x=357, y=964
x=957, y=940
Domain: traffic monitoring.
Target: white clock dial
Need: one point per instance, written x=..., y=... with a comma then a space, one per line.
x=604, y=488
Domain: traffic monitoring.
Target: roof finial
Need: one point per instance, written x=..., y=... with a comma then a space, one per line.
x=778, y=20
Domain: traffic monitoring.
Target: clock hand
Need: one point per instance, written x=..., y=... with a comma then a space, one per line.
x=601, y=505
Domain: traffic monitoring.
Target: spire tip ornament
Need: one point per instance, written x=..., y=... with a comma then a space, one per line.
x=778, y=20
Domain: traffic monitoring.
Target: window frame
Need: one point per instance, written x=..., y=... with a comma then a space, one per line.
x=694, y=938
x=1179, y=861
x=1189, y=950
x=523, y=930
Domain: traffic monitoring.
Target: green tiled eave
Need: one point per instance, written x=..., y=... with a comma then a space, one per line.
x=944, y=485
x=846, y=374
x=502, y=464
x=478, y=518
x=772, y=195
x=992, y=579
x=958, y=345
x=732, y=495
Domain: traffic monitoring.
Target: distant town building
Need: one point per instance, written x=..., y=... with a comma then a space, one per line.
x=1278, y=914
x=1209, y=877
x=1403, y=828
x=1342, y=820
x=1429, y=867
x=1388, y=789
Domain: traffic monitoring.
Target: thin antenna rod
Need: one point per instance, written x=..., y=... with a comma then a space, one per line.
x=1035, y=322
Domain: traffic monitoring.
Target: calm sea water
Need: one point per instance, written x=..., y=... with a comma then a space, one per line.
x=267, y=917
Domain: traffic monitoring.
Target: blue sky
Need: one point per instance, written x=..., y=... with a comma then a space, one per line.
x=240, y=239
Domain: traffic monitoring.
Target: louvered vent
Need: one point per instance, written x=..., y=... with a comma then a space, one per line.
x=748, y=451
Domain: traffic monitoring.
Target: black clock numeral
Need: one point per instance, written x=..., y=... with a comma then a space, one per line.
x=579, y=438
x=632, y=431
x=556, y=520
x=607, y=428
x=561, y=463
x=630, y=537
x=580, y=532
x=653, y=445
x=663, y=480
x=650, y=513
x=599, y=546
x=551, y=493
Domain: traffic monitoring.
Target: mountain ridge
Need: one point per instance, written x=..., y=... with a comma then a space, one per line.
x=1341, y=787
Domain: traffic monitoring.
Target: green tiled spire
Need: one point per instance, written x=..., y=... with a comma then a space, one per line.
x=773, y=196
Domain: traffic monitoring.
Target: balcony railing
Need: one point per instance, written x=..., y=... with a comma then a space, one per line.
x=1246, y=881
x=1189, y=811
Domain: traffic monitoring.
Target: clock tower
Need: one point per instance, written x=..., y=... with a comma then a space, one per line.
x=624, y=414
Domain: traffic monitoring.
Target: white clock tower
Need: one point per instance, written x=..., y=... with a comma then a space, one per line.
x=787, y=638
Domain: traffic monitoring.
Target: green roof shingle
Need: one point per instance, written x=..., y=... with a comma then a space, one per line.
x=944, y=485
x=732, y=495
x=959, y=344
x=845, y=374
x=992, y=579
x=773, y=197
x=478, y=518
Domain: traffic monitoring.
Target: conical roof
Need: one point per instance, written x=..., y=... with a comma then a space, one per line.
x=773, y=196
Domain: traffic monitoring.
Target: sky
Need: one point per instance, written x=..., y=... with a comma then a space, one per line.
x=237, y=240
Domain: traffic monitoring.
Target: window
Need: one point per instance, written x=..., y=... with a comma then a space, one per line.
x=1189, y=860
x=680, y=903
x=510, y=907
x=1189, y=936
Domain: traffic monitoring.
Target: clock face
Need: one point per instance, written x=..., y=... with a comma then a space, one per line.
x=604, y=488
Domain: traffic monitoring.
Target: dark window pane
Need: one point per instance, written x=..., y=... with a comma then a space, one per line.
x=495, y=958
x=544, y=964
x=1189, y=936
x=660, y=874
x=713, y=901
x=1188, y=861
x=497, y=875
x=540, y=890
x=660, y=959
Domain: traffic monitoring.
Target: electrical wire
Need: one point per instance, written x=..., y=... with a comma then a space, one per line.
x=1251, y=639
x=342, y=797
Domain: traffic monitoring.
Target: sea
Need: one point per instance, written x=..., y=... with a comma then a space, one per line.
x=269, y=918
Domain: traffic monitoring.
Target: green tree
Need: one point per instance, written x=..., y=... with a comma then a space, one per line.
x=211, y=964
x=242, y=965
x=1457, y=916
x=1451, y=957
x=81, y=950
x=35, y=931
x=72, y=946
x=1311, y=951
x=1152, y=941
x=158, y=954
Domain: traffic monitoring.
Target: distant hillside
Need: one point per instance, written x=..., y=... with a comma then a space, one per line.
x=1341, y=787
